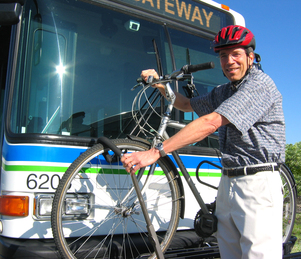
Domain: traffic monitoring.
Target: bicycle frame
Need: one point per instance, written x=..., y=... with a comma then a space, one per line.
x=162, y=134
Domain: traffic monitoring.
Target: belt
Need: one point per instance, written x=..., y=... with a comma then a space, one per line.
x=249, y=170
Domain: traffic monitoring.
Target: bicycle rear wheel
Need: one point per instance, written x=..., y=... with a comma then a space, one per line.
x=95, y=211
x=289, y=203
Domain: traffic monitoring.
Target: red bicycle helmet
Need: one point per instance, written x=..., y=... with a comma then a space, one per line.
x=233, y=36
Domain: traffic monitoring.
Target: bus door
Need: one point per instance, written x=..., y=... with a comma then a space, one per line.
x=4, y=49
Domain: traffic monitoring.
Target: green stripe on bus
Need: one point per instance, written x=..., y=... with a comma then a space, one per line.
x=35, y=168
x=204, y=174
x=58, y=169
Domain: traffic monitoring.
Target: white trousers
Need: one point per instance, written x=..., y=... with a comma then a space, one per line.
x=249, y=212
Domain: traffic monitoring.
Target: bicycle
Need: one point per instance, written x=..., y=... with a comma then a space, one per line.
x=108, y=221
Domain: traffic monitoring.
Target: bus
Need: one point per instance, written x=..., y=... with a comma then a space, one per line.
x=66, y=70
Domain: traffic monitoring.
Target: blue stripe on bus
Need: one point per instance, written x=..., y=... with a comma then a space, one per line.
x=193, y=161
x=35, y=153
x=40, y=153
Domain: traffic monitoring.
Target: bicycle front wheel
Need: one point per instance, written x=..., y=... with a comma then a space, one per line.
x=289, y=203
x=96, y=213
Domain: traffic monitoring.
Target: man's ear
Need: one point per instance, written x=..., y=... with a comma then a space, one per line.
x=251, y=58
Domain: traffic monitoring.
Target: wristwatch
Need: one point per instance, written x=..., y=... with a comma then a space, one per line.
x=159, y=146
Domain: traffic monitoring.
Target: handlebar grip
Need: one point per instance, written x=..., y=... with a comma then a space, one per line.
x=193, y=68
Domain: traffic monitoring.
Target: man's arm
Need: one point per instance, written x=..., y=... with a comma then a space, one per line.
x=193, y=132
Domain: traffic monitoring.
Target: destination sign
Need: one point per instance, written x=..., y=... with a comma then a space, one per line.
x=188, y=11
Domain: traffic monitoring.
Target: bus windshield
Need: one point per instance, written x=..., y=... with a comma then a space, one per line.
x=77, y=62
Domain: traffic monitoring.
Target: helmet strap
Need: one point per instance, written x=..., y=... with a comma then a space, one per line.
x=236, y=84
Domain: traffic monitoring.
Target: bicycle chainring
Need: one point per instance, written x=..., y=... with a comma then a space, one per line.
x=205, y=224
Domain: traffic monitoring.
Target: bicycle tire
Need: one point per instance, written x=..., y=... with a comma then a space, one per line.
x=289, y=203
x=114, y=219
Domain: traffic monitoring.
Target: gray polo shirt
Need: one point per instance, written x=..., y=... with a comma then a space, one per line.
x=256, y=133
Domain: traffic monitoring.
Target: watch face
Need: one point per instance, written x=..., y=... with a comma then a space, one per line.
x=159, y=146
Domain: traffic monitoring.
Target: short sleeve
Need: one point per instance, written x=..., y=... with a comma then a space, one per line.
x=244, y=108
x=209, y=102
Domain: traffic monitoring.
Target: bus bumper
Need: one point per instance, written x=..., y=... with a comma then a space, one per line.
x=11, y=248
x=27, y=248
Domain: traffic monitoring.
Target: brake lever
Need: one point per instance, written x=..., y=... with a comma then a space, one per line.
x=140, y=82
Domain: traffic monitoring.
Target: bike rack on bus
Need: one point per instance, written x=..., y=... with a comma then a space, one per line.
x=197, y=173
x=150, y=228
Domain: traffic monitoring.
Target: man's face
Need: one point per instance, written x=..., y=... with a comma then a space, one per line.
x=235, y=62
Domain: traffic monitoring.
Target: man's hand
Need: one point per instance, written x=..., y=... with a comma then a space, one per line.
x=149, y=72
x=134, y=161
x=152, y=72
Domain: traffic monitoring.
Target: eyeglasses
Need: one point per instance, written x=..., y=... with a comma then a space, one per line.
x=234, y=55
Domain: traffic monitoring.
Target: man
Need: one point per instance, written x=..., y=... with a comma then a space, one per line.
x=247, y=111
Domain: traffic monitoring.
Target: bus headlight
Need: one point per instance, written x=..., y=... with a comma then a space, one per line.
x=75, y=206
x=45, y=205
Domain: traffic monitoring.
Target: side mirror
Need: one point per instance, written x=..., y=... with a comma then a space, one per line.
x=10, y=11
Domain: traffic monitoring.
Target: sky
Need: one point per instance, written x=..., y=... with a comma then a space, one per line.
x=276, y=26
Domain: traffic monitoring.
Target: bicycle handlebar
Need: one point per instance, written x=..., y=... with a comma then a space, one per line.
x=185, y=71
x=194, y=68
x=181, y=74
